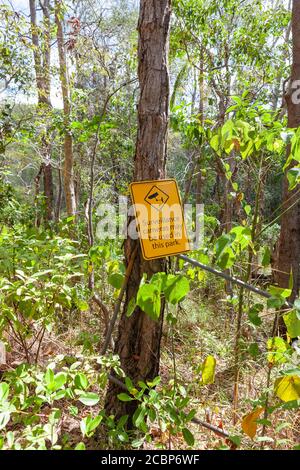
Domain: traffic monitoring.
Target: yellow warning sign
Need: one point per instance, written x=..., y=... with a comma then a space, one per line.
x=159, y=218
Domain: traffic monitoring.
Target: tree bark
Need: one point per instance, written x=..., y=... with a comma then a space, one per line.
x=139, y=337
x=289, y=240
x=41, y=54
x=68, y=169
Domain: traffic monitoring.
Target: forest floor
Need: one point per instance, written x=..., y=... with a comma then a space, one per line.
x=196, y=335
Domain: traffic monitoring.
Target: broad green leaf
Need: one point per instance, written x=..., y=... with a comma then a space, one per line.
x=188, y=437
x=81, y=381
x=148, y=299
x=215, y=143
x=159, y=280
x=89, y=398
x=280, y=292
x=292, y=323
x=177, y=287
x=222, y=242
x=49, y=378
x=275, y=302
x=116, y=280
x=59, y=380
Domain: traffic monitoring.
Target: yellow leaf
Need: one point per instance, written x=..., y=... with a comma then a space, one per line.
x=208, y=370
x=288, y=388
x=249, y=424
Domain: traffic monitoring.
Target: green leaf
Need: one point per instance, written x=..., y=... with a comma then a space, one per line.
x=280, y=292
x=154, y=382
x=4, y=392
x=4, y=419
x=177, y=287
x=116, y=280
x=222, y=242
x=131, y=307
x=292, y=323
x=122, y=421
x=81, y=381
x=215, y=143
x=124, y=397
x=208, y=370
x=59, y=380
x=49, y=378
x=188, y=437
x=297, y=304
x=82, y=305
x=288, y=388
x=76, y=125
x=253, y=350
x=148, y=299
x=275, y=302
x=253, y=314
x=236, y=440
x=89, y=424
x=278, y=348
x=80, y=446
x=293, y=176
x=89, y=398
x=92, y=424
x=138, y=417
x=247, y=209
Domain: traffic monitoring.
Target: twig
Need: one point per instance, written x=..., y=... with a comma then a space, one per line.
x=119, y=301
x=105, y=311
x=234, y=280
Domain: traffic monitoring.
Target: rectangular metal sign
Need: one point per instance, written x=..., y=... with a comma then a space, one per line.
x=159, y=218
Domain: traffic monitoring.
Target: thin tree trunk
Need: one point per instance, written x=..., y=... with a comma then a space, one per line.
x=41, y=54
x=201, y=118
x=59, y=192
x=289, y=241
x=68, y=170
x=139, y=337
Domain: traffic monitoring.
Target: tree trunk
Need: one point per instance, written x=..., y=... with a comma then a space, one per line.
x=199, y=182
x=289, y=240
x=68, y=170
x=139, y=337
x=41, y=54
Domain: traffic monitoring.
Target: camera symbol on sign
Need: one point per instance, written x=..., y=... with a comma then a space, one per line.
x=156, y=198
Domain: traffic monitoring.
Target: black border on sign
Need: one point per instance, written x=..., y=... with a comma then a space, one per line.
x=179, y=198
